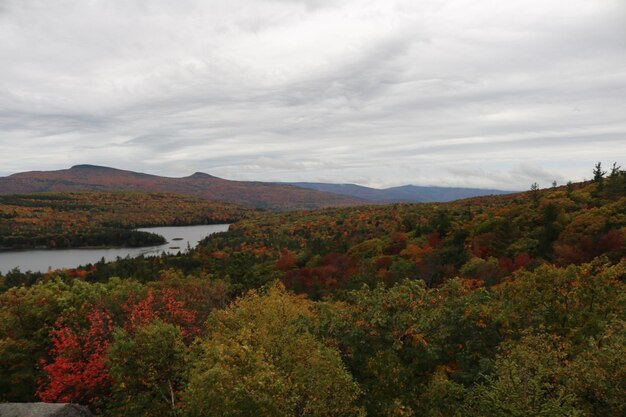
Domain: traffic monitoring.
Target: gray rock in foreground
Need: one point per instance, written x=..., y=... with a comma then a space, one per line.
x=43, y=410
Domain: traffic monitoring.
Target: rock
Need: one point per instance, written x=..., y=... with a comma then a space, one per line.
x=43, y=410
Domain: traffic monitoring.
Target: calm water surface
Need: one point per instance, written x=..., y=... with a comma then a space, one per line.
x=179, y=238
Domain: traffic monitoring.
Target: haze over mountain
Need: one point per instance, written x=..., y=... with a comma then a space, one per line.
x=266, y=195
x=402, y=194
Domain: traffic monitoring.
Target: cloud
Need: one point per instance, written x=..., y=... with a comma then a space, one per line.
x=387, y=92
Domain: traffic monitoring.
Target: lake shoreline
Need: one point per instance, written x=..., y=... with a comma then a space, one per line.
x=5, y=249
x=178, y=239
x=47, y=248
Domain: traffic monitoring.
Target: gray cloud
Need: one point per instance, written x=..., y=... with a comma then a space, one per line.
x=384, y=92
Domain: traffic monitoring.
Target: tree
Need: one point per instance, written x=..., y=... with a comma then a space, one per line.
x=411, y=348
x=597, y=375
x=598, y=176
x=148, y=369
x=27, y=316
x=260, y=359
x=569, y=188
x=287, y=262
x=78, y=371
x=598, y=173
x=534, y=192
x=163, y=305
x=616, y=185
x=526, y=382
x=574, y=302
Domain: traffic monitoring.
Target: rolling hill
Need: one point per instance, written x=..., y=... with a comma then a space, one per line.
x=263, y=195
x=98, y=178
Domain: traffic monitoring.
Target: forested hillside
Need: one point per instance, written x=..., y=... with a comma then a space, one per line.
x=98, y=178
x=80, y=219
x=499, y=306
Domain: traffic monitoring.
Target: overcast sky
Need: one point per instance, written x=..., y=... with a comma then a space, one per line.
x=488, y=93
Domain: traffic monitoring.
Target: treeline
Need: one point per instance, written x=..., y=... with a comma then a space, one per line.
x=106, y=238
x=489, y=238
x=82, y=219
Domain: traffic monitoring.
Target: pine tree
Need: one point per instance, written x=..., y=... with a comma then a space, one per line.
x=598, y=176
x=534, y=192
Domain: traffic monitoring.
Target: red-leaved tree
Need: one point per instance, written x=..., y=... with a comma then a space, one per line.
x=166, y=306
x=78, y=371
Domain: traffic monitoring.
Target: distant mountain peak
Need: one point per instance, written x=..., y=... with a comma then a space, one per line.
x=91, y=167
x=87, y=177
x=100, y=170
x=201, y=175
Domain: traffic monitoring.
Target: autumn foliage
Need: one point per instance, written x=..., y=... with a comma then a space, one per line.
x=78, y=219
x=165, y=306
x=505, y=305
x=78, y=370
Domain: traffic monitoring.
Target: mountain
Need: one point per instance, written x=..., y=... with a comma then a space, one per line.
x=264, y=195
x=403, y=194
x=98, y=178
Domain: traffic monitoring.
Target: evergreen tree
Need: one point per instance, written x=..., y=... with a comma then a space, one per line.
x=534, y=192
x=598, y=176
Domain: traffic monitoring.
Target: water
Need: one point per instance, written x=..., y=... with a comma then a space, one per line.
x=179, y=238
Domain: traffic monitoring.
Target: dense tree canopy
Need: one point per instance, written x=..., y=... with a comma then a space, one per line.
x=498, y=306
x=79, y=219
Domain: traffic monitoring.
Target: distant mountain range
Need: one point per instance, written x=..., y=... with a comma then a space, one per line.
x=402, y=194
x=98, y=178
x=264, y=195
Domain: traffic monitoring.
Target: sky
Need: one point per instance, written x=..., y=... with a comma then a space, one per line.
x=477, y=93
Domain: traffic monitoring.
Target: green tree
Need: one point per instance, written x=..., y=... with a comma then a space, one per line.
x=411, y=348
x=575, y=302
x=598, y=176
x=148, y=369
x=527, y=382
x=597, y=375
x=615, y=170
x=27, y=315
x=534, y=193
x=616, y=184
x=569, y=188
x=259, y=359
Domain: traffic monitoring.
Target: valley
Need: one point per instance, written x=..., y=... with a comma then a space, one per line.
x=312, y=208
x=431, y=309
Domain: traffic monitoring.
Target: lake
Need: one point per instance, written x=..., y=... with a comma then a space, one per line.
x=179, y=238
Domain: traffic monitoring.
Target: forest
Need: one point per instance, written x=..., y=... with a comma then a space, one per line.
x=510, y=305
x=101, y=219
